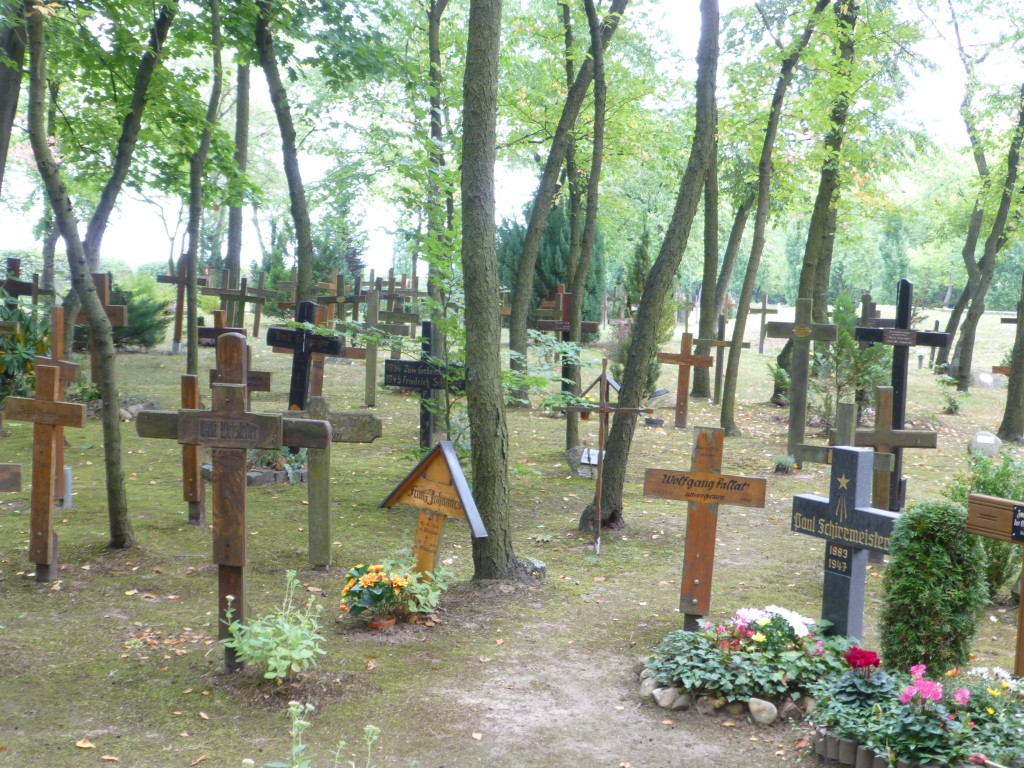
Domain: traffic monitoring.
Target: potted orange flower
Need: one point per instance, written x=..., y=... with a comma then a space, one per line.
x=376, y=591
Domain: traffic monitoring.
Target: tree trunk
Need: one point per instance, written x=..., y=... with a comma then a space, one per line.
x=493, y=557
x=12, y=49
x=233, y=257
x=732, y=250
x=764, y=180
x=662, y=275
x=573, y=385
x=438, y=223
x=80, y=259
x=942, y=355
x=517, y=335
x=1012, y=426
x=702, y=376
x=289, y=152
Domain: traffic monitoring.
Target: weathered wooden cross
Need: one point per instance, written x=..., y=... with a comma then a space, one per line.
x=231, y=431
x=851, y=527
x=720, y=344
x=685, y=360
x=801, y=332
x=846, y=427
x=207, y=336
x=48, y=414
x=15, y=287
x=763, y=311
x=255, y=381
x=177, y=278
x=1003, y=520
x=67, y=372
x=901, y=337
x=704, y=487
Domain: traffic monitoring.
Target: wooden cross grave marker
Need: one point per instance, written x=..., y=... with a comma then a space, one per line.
x=15, y=287
x=48, y=414
x=704, y=487
x=438, y=488
x=227, y=295
x=303, y=343
x=257, y=296
x=207, y=336
x=685, y=360
x=890, y=487
x=66, y=372
x=1002, y=370
x=720, y=344
x=763, y=311
x=230, y=430
x=178, y=279
x=117, y=314
x=901, y=337
x=851, y=527
x=844, y=434
x=801, y=332
x=603, y=409
x=255, y=381
x=1003, y=520
x=563, y=302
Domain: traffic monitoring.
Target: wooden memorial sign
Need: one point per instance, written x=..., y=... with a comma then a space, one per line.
x=48, y=414
x=720, y=344
x=437, y=487
x=763, y=311
x=889, y=487
x=303, y=343
x=178, y=278
x=704, y=487
x=1003, y=520
x=685, y=360
x=801, y=332
x=230, y=431
x=901, y=337
x=851, y=528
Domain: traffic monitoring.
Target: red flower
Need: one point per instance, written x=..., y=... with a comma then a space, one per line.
x=858, y=658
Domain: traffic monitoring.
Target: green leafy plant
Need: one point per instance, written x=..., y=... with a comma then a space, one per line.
x=784, y=465
x=932, y=589
x=953, y=401
x=1002, y=477
x=780, y=383
x=281, y=459
x=299, y=758
x=18, y=350
x=757, y=653
x=286, y=641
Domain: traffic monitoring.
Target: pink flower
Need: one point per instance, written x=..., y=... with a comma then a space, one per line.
x=908, y=694
x=818, y=648
x=918, y=670
x=928, y=689
x=962, y=696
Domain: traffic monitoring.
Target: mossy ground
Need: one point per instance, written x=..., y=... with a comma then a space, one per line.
x=122, y=649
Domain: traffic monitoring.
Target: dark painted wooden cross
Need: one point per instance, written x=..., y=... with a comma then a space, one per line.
x=177, y=278
x=763, y=311
x=15, y=287
x=720, y=344
x=303, y=344
x=230, y=431
x=704, y=487
x=851, y=528
x=48, y=415
x=801, y=332
x=901, y=337
x=67, y=372
x=685, y=360
x=1003, y=520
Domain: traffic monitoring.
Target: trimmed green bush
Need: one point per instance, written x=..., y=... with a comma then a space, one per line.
x=933, y=588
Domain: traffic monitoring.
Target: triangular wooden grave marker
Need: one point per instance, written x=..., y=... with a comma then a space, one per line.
x=439, y=489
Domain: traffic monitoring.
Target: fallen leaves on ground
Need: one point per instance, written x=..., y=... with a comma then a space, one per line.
x=85, y=744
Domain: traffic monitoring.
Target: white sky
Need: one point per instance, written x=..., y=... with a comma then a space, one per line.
x=136, y=234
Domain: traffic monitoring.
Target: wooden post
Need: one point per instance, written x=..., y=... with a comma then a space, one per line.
x=763, y=311
x=372, y=318
x=1003, y=520
x=704, y=487
x=720, y=345
x=685, y=360
x=67, y=371
x=319, y=493
x=193, y=488
x=801, y=333
x=47, y=413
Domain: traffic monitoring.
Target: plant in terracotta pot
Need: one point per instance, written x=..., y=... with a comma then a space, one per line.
x=390, y=590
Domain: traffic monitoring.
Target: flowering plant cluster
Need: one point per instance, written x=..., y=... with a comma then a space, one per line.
x=372, y=589
x=858, y=658
x=757, y=652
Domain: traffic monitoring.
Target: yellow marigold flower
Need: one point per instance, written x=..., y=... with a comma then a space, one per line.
x=954, y=671
x=990, y=710
x=1004, y=685
x=994, y=692
x=763, y=622
x=758, y=638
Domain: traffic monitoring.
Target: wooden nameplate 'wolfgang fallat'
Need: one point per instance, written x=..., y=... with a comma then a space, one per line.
x=704, y=487
x=1003, y=520
x=438, y=488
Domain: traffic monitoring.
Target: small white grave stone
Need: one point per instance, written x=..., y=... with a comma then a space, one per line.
x=984, y=443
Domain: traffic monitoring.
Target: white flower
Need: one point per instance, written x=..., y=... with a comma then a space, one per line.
x=750, y=615
x=796, y=621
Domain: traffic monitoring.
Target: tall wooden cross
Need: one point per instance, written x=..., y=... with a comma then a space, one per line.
x=257, y=296
x=720, y=344
x=303, y=343
x=66, y=372
x=227, y=295
x=763, y=311
x=563, y=303
x=48, y=414
x=851, y=527
x=603, y=410
x=1003, y=520
x=178, y=279
x=704, y=487
x=901, y=337
x=230, y=431
x=255, y=381
x=117, y=314
x=685, y=360
x=801, y=332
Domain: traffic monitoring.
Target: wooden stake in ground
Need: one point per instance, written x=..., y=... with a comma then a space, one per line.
x=850, y=527
x=685, y=360
x=438, y=488
x=1003, y=520
x=231, y=431
x=801, y=332
x=68, y=372
x=704, y=487
x=763, y=311
x=48, y=414
x=178, y=281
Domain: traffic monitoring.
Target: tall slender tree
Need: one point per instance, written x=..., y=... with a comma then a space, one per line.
x=12, y=62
